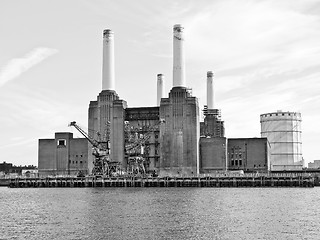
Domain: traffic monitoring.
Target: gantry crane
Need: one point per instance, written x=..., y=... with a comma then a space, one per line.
x=102, y=164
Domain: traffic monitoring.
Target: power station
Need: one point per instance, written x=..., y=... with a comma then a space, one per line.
x=165, y=140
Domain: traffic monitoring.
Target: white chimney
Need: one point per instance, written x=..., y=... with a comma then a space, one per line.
x=108, y=82
x=160, y=88
x=178, y=57
x=210, y=90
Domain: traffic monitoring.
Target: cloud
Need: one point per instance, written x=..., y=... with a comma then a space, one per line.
x=17, y=66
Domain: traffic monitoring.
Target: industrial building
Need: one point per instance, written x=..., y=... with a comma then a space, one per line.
x=10, y=170
x=63, y=155
x=213, y=154
x=283, y=131
x=173, y=141
x=249, y=154
x=314, y=165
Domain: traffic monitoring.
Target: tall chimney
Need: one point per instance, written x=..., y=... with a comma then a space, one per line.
x=210, y=90
x=178, y=57
x=108, y=82
x=160, y=88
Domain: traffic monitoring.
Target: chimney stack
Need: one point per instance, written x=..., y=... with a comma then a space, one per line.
x=108, y=82
x=160, y=88
x=178, y=57
x=210, y=90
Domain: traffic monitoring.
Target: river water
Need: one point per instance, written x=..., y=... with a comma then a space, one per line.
x=160, y=213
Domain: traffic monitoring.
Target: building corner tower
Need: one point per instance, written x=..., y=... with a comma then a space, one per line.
x=212, y=126
x=179, y=133
x=213, y=144
x=106, y=114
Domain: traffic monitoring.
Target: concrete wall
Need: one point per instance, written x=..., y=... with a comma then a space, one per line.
x=93, y=126
x=117, y=132
x=78, y=157
x=213, y=154
x=248, y=154
x=179, y=134
x=46, y=158
x=62, y=152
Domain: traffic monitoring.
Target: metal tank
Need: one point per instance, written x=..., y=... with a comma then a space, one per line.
x=283, y=131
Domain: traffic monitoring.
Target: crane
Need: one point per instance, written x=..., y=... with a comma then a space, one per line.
x=102, y=164
x=136, y=146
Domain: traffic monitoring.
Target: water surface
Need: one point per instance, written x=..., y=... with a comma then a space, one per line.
x=160, y=213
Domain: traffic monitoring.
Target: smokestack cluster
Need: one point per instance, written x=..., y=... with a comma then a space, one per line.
x=108, y=76
x=178, y=57
x=210, y=90
x=108, y=81
x=160, y=88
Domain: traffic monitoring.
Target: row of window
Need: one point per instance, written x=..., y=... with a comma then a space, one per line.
x=239, y=163
x=279, y=114
x=236, y=155
x=236, y=162
x=76, y=162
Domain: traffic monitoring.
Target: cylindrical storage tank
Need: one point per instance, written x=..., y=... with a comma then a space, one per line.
x=283, y=131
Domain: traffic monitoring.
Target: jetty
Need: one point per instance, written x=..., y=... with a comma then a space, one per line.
x=206, y=182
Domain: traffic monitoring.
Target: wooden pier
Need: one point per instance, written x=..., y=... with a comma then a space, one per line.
x=208, y=182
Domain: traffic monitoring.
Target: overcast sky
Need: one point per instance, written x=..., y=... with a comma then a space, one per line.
x=265, y=56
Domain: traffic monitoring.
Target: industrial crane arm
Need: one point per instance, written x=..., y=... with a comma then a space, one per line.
x=93, y=142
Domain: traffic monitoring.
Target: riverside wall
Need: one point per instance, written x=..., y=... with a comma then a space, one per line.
x=215, y=182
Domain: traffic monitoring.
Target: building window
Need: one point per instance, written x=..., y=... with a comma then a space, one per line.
x=62, y=142
x=156, y=136
x=236, y=163
x=240, y=156
x=240, y=162
x=81, y=155
x=80, y=162
x=232, y=163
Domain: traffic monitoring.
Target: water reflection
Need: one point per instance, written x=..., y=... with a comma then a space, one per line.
x=160, y=213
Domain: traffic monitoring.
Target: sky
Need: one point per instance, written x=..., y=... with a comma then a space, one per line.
x=265, y=56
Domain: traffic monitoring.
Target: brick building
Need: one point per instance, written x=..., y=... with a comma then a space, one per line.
x=63, y=155
x=248, y=154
